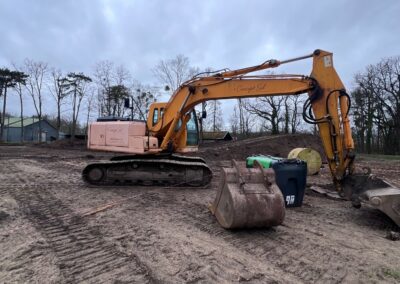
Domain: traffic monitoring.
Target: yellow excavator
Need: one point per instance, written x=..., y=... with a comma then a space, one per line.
x=150, y=147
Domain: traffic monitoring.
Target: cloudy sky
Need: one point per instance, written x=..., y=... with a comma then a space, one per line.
x=74, y=35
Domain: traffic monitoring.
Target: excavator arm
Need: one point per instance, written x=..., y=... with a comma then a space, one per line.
x=327, y=106
x=327, y=97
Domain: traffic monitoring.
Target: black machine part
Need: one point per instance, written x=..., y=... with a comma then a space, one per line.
x=367, y=189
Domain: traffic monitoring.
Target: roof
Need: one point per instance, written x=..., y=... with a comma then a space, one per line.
x=16, y=121
x=217, y=135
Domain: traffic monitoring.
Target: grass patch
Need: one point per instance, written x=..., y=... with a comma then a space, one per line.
x=395, y=274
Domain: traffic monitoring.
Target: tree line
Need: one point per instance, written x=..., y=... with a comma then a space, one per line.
x=74, y=94
x=375, y=100
x=376, y=107
x=375, y=111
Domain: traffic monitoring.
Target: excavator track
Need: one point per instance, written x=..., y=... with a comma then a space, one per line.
x=165, y=170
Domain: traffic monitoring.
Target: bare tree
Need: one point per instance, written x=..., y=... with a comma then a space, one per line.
x=234, y=121
x=143, y=96
x=241, y=109
x=214, y=121
x=19, y=89
x=286, y=114
x=173, y=72
x=37, y=72
x=90, y=105
x=289, y=116
x=296, y=102
x=376, y=101
x=249, y=121
x=58, y=87
x=267, y=108
x=107, y=76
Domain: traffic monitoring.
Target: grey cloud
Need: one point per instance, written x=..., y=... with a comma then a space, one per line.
x=74, y=35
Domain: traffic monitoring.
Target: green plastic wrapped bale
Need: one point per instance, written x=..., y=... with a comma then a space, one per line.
x=265, y=161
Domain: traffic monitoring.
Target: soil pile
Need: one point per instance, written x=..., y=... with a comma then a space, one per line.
x=275, y=145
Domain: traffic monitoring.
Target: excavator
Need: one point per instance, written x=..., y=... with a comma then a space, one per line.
x=150, y=148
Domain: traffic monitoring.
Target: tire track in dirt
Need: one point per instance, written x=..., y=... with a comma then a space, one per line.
x=307, y=262
x=275, y=246
x=82, y=253
x=157, y=216
x=23, y=172
x=177, y=252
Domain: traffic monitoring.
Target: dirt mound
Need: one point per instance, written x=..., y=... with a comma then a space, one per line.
x=275, y=145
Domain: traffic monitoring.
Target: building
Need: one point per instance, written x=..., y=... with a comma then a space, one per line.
x=217, y=136
x=13, y=127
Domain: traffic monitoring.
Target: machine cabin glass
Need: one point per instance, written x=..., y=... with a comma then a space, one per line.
x=192, y=138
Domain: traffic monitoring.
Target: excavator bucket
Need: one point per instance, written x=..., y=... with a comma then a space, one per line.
x=248, y=198
x=369, y=190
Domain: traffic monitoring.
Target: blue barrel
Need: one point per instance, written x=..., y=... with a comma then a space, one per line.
x=291, y=178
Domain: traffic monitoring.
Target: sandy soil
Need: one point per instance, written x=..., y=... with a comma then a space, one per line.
x=150, y=234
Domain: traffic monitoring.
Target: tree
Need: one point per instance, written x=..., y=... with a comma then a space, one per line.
x=142, y=96
x=241, y=109
x=59, y=90
x=107, y=77
x=294, y=118
x=214, y=121
x=173, y=72
x=267, y=108
x=89, y=106
x=234, y=121
x=286, y=115
x=37, y=72
x=362, y=124
x=76, y=84
x=116, y=95
x=8, y=79
x=19, y=88
x=377, y=106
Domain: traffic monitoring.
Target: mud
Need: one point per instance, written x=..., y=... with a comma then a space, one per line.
x=167, y=235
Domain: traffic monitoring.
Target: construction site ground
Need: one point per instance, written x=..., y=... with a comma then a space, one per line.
x=56, y=229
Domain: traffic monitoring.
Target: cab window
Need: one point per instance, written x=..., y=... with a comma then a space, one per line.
x=161, y=112
x=155, y=116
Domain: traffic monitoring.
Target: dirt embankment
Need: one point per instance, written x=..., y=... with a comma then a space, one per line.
x=167, y=235
x=275, y=145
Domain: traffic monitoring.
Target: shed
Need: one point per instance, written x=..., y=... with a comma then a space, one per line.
x=217, y=136
x=13, y=126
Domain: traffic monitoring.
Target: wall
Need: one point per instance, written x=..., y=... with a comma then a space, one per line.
x=13, y=134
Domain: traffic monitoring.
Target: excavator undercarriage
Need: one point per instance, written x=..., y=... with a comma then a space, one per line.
x=155, y=169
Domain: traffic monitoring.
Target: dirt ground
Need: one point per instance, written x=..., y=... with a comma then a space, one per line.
x=49, y=234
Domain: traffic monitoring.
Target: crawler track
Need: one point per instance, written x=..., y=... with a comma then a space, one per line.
x=83, y=255
x=170, y=170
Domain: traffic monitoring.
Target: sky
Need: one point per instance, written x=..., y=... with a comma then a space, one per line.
x=74, y=35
